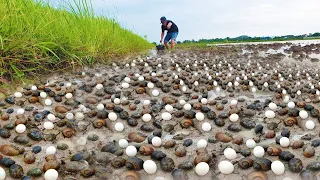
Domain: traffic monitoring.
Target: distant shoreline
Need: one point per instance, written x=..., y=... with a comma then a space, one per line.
x=266, y=42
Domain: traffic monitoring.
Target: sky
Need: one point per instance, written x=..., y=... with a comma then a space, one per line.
x=207, y=19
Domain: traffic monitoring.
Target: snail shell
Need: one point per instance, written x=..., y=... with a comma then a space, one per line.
x=179, y=174
x=68, y=132
x=245, y=152
x=314, y=166
x=88, y=172
x=169, y=144
x=295, y=165
x=186, y=123
x=132, y=122
x=220, y=136
x=237, y=140
x=262, y=164
x=140, y=90
x=135, y=137
x=307, y=175
x=51, y=165
x=308, y=151
x=167, y=164
x=134, y=163
x=285, y=155
x=146, y=150
x=270, y=134
x=118, y=162
x=29, y=158
x=99, y=123
x=129, y=175
x=274, y=150
x=202, y=157
x=245, y=163
x=297, y=144
x=10, y=150
x=158, y=155
x=290, y=121
x=180, y=151
x=219, y=122
x=256, y=175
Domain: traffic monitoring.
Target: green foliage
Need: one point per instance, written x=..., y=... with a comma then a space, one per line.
x=35, y=37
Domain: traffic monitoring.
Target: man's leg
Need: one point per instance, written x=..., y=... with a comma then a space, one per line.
x=172, y=43
x=167, y=39
x=173, y=39
x=166, y=44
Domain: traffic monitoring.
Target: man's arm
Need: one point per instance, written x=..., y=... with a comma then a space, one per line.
x=169, y=25
x=162, y=34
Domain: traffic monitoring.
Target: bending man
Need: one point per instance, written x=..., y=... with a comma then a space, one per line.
x=172, y=32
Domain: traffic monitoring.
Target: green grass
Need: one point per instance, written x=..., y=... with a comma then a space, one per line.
x=36, y=38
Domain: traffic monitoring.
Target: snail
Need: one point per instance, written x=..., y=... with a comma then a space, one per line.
x=129, y=175
x=135, y=137
x=186, y=123
x=134, y=163
x=220, y=136
x=285, y=155
x=256, y=175
x=118, y=162
x=309, y=151
x=146, y=150
x=262, y=164
x=295, y=165
x=245, y=163
x=274, y=150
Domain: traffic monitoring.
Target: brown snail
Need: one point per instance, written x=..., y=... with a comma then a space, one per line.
x=29, y=158
x=134, y=163
x=269, y=134
x=262, y=164
x=245, y=163
x=118, y=162
x=220, y=136
x=10, y=150
x=129, y=175
x=135, y=137
x=99, y=123
x=88, y=172
x=68, y=132
x=308, y=151
x=274, y=150
x=297, y=144
x=256, y=175
x=146, y=150
x=186, y=123
x=295, y=165
x=180, y=151
x=169, y=144
x=290, y=121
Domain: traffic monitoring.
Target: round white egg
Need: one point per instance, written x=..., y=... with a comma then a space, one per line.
x=116, y=101
x=250, y=143
x=68, y=95
x=168, y=108
x=48, y=125
x=51, y=174
x=20, y=111
x=18, y=94
x=225, y=167
x=100, y=107
x=182, y=102
x=155, y=92
x=127, y=79
x=199, y=116
x=202, y=168
x=125, y=85
x=187, y=106
x=273, y=106
x=34, y=88
x=48, y=102
x=51, y=117
x=310, y=124
x=112, y=116
x=2, y=174
x=291, y=105
x=150, y=85
x=156, y=141
x=21, y=128
x=150, y=167
x=284, y=142
x=131, y=151
x=230, y=153
x=258, y=151
x=234, y=117
x=43, y=94
x=119, y=127
x=277, y=167
x=51, y=150
x=202, y=143
x=204, y=101
x=79, y=116
x=166, y=116
x=146, y=117
x=141, y=78
x=270, y=114
x=303, y=114
x=99, y=86
x=123, y=143
x=206, y=126
x=234, y=102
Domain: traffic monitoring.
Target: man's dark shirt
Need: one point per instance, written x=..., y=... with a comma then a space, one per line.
x=173, y=28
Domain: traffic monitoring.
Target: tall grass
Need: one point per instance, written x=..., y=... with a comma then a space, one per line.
x=36, y=38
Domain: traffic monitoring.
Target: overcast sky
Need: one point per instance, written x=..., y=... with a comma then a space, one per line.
x=208, y=19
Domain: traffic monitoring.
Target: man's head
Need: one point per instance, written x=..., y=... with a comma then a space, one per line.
x=163, y=20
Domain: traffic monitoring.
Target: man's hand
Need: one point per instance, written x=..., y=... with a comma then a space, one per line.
x=160, y=41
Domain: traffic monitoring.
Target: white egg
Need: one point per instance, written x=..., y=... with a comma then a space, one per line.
x=43, y=94
x=234, y=117
x=68, y=95
x=21, y=128
x=100, y=107
x=81, y=141
x=51, y=117
x=51, y=150
x=99, y=86
x=156, y=141
x=204, y=101
x=112, y=116
x=127, y=79
x=146, y=102
x=265, y=84
x=131, y=151
x=146, y=117
x=258, y=151
x=79, y=116
x=184, y=88
x=196, y=83
x=2, y=174
x=250, y=83
x=168, y=108
x=51, y=174
x=199, y=116
x=230, y=153
x=298, y=92
x=202, y=143
x=119, y=127
x=230, y=83
x=206, y=126
x=123, y=143
x=202, y=168
x=234, y=102
x=291, y=105
x=48, y=102
x=182, y=102
x=68, y=85
x=250, y=143
x=270, y=114
x=150, y=167
x=287, y=178
x=225, y=167
x=18, y=94
x=303, y=114
x=116, y=101
x=141, y=78
x=34, y=88
x=166, y=116
x=160, y=178
x=310, y=124
x=20, y=111
x=284, y=142
x=150, y=85
x=253, y=89
x=277, y=167
x=69, y=116
x=155, y=92
x=125, y=85
x=153, y=74
x=48, y=125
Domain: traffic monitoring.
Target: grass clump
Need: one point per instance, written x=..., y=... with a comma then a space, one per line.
x=36, y=38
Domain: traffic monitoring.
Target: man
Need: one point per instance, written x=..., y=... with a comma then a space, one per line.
x=172, y=32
